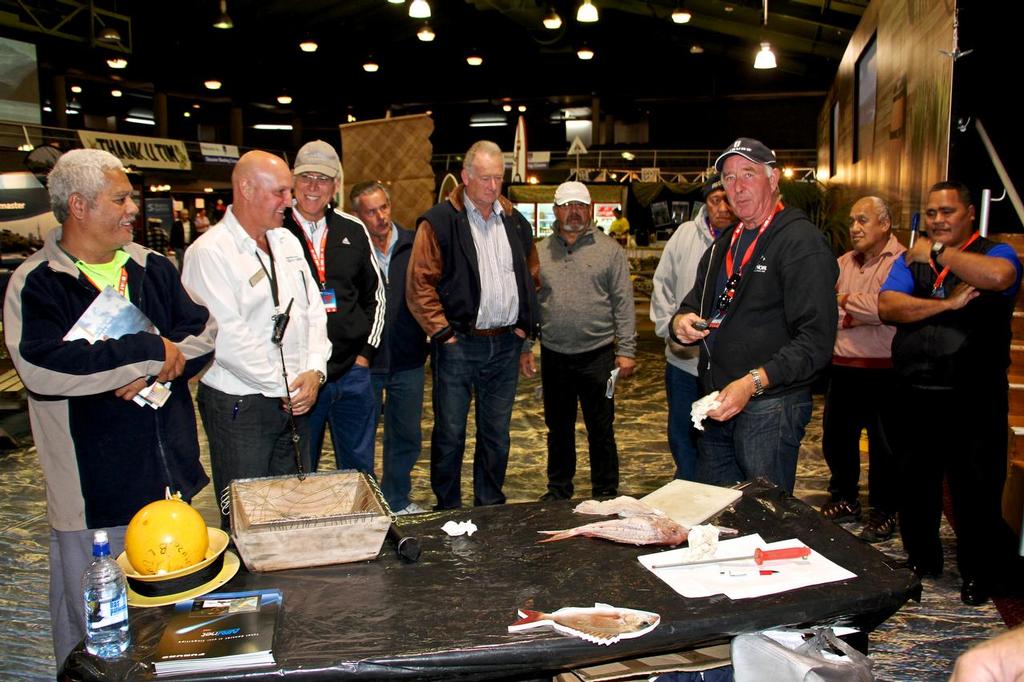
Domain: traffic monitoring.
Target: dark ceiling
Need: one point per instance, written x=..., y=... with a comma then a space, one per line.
x=643, y=67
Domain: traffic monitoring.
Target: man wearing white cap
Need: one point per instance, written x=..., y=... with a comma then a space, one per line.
x=588, y=329
x=763, y=309
x=341, y=262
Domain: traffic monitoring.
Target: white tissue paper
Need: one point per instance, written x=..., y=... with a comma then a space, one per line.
x=699, y=410
x=455, y=528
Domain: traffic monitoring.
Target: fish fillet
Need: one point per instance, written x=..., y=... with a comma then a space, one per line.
x=634, y=530
x=602, y=624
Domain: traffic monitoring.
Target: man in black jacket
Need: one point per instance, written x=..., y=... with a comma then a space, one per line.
x=763, y=308
x=397, y=370
x=339, y=255
x=471, y=287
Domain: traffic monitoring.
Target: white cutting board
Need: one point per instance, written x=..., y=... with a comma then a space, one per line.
x=689, y=503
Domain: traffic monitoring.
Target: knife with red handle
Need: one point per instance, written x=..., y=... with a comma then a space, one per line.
x=759, y=556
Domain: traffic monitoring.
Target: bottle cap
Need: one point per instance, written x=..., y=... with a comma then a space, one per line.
x=100, y=544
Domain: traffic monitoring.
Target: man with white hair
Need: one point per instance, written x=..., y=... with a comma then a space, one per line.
x=471, y=288
x=588, y=329
x=763, y=309
x=103, y=455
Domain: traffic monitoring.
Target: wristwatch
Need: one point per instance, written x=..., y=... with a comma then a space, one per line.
x=937, y=249
x=323, y=377
x=758, y=386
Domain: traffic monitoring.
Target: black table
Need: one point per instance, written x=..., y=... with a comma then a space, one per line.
x=445, y=617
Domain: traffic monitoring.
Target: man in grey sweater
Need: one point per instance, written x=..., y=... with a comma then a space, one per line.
x=588, y=331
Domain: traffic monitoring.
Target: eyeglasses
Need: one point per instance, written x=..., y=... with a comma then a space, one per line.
x=314, y=180
x=729, y=293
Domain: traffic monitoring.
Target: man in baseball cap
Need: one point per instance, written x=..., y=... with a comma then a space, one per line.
x=763, y=308
x=588, y=329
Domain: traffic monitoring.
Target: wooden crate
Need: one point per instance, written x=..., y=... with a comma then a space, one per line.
x=332, y=517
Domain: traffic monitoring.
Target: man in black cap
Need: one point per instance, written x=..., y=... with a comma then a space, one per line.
x=673, y=279
x=763, y=309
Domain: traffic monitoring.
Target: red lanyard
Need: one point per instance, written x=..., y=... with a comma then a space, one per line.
x=122, y=285
x=729, y=256
x=945, y=271
x=318, y=256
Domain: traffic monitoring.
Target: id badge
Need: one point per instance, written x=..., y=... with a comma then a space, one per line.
x=939, y=293
x=716, y=321
x=330, y=300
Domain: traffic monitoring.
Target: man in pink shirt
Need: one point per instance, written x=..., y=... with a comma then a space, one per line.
x=861, y=375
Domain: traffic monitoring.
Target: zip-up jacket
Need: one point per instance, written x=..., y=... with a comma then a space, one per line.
x=443, y=287
x=103, y=457
x=404, y=345
x=350, y=268
x=784, y=314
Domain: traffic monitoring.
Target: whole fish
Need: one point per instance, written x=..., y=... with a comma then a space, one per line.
x=602, y=624
x=633, y=530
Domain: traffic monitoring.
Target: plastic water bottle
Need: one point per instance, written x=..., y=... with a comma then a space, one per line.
x=106, y=602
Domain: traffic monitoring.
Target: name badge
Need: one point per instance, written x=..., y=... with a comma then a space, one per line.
x=330, y=300
x=716, y=321
x=257, y=278
x=938, y=292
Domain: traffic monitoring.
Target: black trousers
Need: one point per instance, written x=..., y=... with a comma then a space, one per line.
x=582, y=378
x=963, y=434
x=859, y=399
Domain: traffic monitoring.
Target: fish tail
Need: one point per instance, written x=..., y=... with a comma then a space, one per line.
x=527, y=616
x=557, y=535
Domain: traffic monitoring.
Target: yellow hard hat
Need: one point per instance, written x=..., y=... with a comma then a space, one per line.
x=165, y=536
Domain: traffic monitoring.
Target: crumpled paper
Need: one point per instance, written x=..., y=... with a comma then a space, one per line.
x=455, y=528
x=699, y=410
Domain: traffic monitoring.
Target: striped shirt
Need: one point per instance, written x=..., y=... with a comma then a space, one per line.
x=499, y=297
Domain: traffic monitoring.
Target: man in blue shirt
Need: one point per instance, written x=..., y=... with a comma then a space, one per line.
x=952, y=300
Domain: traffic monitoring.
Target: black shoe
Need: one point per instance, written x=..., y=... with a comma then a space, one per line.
x=550, y=496
x=596, y=494
x=879, y=528
x=973, y=592
x=841, y=511
x=922, y=569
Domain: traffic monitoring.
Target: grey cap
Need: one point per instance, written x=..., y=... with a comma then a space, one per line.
x=317, y=157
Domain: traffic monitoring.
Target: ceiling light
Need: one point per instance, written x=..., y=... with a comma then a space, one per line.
x=308, y=46
x=494, y=120
x=187, y=114
x=371, y=66
x=765, y=58
x=273, y=126
x=728, y=8
x=350, y=118
x=587, y=13
x=696, y=49
x=522, y=108
x=552, y=21
x=47, y=108
x=428, y=112
x=474, y=60
x=787, y=172
x=397, y=2
x=208, y=190
x=680, y=15
x=419, y=9
x=109, y=34
x=613, y=176
x=585, y=53
x=76, y=89
x=195, y=105
x=223, y=21
x=116, y=93
x=69, y=110
x=533, y=180
x=426, y=34
x=212, y=84
x=628, y=156
x=507, y=107
x=284, y=99
x=140, y=121
x=117, y=62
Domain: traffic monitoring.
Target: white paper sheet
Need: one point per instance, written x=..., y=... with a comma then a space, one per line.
x=743, y=579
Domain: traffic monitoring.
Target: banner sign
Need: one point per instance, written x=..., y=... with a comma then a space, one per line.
x=218, y=153
x=135, y=150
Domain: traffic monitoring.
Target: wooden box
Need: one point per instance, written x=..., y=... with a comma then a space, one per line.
x=332, y=517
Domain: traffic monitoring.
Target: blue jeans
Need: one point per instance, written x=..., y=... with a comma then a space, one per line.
x=489, y=367
x=347, y=405
x=682, y=390
x=762, y=440
x=403, y=436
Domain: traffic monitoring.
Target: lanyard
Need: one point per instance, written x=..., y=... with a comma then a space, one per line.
x=122, y=284
x=729, y=255
x=319, y=257
x=941, y=276
x=271, y=276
